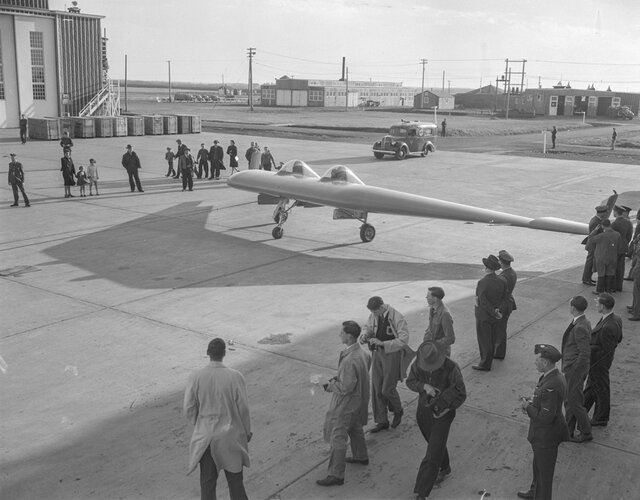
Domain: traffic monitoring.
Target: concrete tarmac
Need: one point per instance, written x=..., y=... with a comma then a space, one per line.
x=109, y=302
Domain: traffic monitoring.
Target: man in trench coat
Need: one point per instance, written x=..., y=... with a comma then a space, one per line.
x=348, y=411
x=215, y=401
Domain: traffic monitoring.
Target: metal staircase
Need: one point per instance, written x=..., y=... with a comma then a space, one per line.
x=106, y=102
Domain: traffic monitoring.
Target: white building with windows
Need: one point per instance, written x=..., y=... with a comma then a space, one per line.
x=51, y=63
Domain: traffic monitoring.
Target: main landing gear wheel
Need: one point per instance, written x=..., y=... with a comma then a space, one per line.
x=367, y=233
x=277, y=232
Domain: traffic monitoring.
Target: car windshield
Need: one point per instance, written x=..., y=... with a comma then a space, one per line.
x=398, y=131
x=298, y=168
x=341, y=174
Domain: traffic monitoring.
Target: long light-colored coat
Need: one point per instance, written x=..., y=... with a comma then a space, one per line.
x=350, y=391
x=215, y=401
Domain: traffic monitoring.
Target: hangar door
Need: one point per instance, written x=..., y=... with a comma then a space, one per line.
x=291, y=98
x=283, y=98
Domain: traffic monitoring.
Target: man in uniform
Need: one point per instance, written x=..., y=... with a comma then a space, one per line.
x=131, y=163
x=607, y=246
x=547, y=426
x=216, y=402
x=203, y=162
x=622, y=225
x=575, y=366
x=181, y=157
x=605, y=337
x=594, y=223
x=16, y=181
x=349, y=407
x=510, y=277
x=387, y=334
x=216, y=155
x=438, y=381
x=23, y=129
x=491, y=293
x=440, y=329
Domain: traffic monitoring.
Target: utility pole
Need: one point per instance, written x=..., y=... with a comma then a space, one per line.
x=251, y=51
x=423, y=62
x=443, y=81
x=125, y=83
x=169, y=64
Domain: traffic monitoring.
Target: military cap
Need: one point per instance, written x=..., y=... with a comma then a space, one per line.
x=625, y=208
x=548, y=351
x=504, y=255
x=12, y=154
x=602, y=208
x=491, y=262
x=128, y=146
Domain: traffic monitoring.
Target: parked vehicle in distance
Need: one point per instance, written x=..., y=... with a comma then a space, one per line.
x=623, y=112
x=369, y=104
x=407, y=139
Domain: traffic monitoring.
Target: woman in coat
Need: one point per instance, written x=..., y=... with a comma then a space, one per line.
x=68, y=173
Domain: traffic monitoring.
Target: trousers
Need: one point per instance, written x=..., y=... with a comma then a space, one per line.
x=209, y=480
x=598, y=391
x=487, y=332
x=339, y=436
x=435, y=432
x=544, y=465
x=385, y=373
x=501, y=338
x=575, y=412
x=15, y=186
x=134, y=180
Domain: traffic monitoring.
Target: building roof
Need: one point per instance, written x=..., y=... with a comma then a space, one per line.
x=487, y=89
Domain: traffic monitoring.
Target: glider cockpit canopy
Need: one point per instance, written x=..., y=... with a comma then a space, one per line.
x=298, y=168
x=340, y=173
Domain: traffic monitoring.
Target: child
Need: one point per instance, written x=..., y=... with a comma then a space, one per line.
x=169, y=156
x=82, y=180
x=92, y=175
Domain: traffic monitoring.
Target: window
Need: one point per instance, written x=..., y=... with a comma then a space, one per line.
x=37, y=65
x=1, y=74
x=269, y=94
x=315, y=95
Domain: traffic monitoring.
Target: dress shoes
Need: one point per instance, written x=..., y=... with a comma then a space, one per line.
x=331, y=481
x=397, y=418
x=526, y=494
x=380, y=427
x=351, y=460
x=481, y=368
x=588, y=283
x=442, y=474
x=598, y=423
x=632, y=318
x=14, y=205
x=582, y=438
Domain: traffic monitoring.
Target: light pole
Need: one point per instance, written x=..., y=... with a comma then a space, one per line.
x=169, y=64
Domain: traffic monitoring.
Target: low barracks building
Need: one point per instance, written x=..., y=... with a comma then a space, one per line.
x=333, y=93
x=51, y=63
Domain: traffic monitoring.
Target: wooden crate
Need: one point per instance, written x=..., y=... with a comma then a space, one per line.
x=119, y=124
x=170, y=124
x=153, y=125
x=66, y=123
x=84, y=127
x=184, y=124
x=43, y=128
x=195, y=124
x=104, y=126
x=135, y=125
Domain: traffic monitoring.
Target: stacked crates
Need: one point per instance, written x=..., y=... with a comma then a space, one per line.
x=170, y=124
x=104, y=126
x=184, y=124
x=119, y=124
x=153, y=125
x=84, y=127
x=135, y=125
x=44, y=128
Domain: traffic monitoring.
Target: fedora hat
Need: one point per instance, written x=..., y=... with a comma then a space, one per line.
x=430, y=356
x=491, y=262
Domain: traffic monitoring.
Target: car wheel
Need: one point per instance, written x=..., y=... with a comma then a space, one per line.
x=379, y=156
x=425, y=151
x=401, y=153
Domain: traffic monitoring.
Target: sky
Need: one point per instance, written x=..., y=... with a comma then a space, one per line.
x=465, y=42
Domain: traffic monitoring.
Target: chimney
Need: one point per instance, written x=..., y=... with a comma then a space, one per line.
x=343, y=66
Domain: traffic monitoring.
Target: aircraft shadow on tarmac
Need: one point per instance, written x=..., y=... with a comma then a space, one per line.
x=173, y=248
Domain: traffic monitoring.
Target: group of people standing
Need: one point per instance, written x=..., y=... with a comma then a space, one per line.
x=581, y=384
x=81, y=177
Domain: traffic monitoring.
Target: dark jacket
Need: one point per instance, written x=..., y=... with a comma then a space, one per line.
x=605, y=337
x=16, y=174
x=606, y=246
x=547, y=426
x=491, y=293
x=623, y=226
x=130, y=161
x=203, y=155
x=575, y=346
x=510, y=277
x=447, y=379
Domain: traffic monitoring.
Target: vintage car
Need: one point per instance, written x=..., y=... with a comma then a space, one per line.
x=407, y=139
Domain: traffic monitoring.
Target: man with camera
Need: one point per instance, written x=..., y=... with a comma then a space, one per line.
x=438, y=381
x=387, y=334
x=349, y=409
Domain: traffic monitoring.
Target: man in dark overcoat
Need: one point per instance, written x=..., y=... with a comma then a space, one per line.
x=622, y=225
x=216, y=155
x=547, y=426
x=510, y=277
x=203, y=162
x=131, y=163
x=594, y=223
x=607, y=246
x=491, y=293
x=605, y=337
x=575, y=366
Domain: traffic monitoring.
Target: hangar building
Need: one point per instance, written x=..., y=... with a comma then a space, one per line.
x=52, y=63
